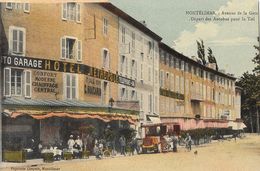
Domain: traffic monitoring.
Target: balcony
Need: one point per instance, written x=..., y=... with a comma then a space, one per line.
x=196, y=96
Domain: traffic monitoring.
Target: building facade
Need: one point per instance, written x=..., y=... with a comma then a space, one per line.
x=93, y=64
x=195, y=95
x=60, y=72
x=138, y=60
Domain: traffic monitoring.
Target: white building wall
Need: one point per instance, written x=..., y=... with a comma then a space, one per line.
x=139, y=48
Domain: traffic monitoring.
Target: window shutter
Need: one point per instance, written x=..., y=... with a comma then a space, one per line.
x=28, y=83
x=63, y=47
x=21, y=42
x=8, y=5
x=26, y=7
x=7, y=82
x=10, y=40
x=78, y=18
x=64, y=11
x=79, y=50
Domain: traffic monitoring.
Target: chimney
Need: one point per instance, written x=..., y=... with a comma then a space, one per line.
x=143, y=22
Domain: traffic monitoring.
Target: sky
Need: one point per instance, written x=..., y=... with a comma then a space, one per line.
x=231, y=41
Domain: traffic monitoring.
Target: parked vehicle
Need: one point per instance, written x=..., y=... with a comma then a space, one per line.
x=157, y=136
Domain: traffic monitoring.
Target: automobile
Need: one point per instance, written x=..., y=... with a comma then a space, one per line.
x=157, y=136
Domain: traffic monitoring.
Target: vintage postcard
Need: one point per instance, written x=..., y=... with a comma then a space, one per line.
x=134, y=85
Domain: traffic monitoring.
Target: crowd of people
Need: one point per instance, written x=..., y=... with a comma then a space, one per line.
x=98, y=147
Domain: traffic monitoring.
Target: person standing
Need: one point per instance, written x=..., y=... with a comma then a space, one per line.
x=71, y=143
x=188, y=141
x=122, y=142
x=175, y=142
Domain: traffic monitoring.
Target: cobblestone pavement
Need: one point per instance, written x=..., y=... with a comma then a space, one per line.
x=240, y=155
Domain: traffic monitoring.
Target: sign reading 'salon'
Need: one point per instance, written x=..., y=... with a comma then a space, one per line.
x=62, y=66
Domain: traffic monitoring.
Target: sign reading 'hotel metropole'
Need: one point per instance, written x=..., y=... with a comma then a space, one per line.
x=61, y=66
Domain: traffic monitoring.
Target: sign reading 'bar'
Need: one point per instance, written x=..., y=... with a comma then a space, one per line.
x=61, y=66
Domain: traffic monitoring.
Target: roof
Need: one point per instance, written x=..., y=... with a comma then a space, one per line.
x=187, y=59
x=109, y=6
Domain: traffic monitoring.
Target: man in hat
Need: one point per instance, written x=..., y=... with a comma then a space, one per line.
x=71, y=143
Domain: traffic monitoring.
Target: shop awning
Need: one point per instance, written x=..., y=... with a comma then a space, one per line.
x=154, y=119
x=236, y=125
x=105, y=117
x=44, y=108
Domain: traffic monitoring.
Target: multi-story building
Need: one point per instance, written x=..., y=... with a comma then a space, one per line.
x=60, y=72
x=193, y=94
x=91, y=64
x=138, y=60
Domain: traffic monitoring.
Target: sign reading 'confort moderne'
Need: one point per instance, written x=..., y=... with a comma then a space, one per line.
x=60, y=66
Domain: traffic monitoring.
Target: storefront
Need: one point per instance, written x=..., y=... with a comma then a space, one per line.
x=52, y=122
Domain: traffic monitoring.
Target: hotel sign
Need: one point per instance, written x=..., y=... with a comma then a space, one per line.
x=63, y=66
x=171, y=94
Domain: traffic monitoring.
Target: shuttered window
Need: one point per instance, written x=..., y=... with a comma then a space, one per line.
x=70, y=86
x=7, y=82
x=28, y=83
x=79, y=55
x=17, y=40
x=26, y=7
x=71, y=11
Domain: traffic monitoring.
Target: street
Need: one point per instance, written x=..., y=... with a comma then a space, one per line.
x=239, y=155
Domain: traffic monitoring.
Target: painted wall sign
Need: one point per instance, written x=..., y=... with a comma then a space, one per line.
x=45, y=82
x=92, y=86
x=62, y=66
x=171, y=94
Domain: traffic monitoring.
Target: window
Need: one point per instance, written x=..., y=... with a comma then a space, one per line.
x=133, y=95
x=105, y=93
x=123, y=94
x=71, y=11
x=28, y=83
x=17, y=40
x=133, y=40
x=105, y=58
x=150, y=101
x=9, y=5
x=16, y=82
x=26, y=7
x=71, y=48
x=105, y=26
x=149, y=47
x=141, y=100
x=149, y=74
x=133, y=69
x=122, y=61
x=141, y=72
x=7, y=82
x=18, y=6
x=71, y=86
x=177, y=84
x=123, y=35
x=161, y=78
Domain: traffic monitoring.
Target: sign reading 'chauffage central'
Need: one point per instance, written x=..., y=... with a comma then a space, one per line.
x=61, y=66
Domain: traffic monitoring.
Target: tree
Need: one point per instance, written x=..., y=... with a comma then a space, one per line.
x=211, y=57
x=250, y=83
x=256, y=60
x=201, y=51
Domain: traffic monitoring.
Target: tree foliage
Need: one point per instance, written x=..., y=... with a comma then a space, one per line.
x=211, y=57
x=201, y=51
x=250, y=83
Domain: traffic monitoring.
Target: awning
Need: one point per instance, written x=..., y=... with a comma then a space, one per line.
x=106, y=117
x=154, y=119
x=236, y=125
